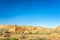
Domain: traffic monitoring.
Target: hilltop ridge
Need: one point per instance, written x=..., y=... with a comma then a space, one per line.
x=14, y=28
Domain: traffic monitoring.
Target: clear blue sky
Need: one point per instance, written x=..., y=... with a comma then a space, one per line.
x=30, y=12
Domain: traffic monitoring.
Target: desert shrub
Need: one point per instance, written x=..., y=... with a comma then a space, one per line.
x=38, y=39
x=42, y=38
x=6, y=33
x=1, y=32
x=1, y=39
x=57, y=31
x=6, y=39
x=14, y=39
x=23, y=37
x=30, y=33
x=9, y=39
x=36, y=33
x=17, y=32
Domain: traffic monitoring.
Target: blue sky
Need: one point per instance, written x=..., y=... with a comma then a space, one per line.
x=30, y=12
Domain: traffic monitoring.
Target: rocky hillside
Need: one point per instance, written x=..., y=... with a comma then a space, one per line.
x=16, y=28
x=29, y=32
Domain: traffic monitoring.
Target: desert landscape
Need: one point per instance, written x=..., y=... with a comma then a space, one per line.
x=29, y=19
x=16, y=32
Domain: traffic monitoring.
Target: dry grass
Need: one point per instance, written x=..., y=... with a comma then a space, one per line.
x=14, y=32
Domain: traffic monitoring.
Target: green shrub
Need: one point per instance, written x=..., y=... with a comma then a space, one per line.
x=14, y=39
x=38, y=39
x=9, y=39
x=6, y=39
x=17, y=32
x=30, y=33
x=36, y=33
